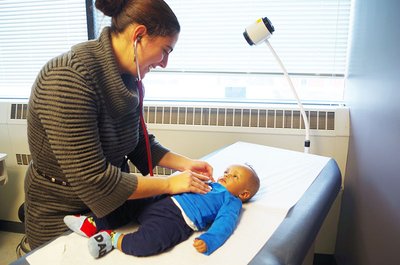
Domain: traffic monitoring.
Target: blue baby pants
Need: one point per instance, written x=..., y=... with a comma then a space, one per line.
x=161, y=226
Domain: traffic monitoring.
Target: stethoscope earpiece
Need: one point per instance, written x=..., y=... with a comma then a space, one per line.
x=136, y=58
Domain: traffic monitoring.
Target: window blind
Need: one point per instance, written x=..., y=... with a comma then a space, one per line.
x=212, y=57
x=310, y=36
x=33, y=32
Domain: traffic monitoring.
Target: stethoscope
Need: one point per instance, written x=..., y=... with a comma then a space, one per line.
x=141, y=96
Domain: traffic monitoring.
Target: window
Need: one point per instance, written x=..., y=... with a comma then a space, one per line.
x=33, y=32
x=211, y=61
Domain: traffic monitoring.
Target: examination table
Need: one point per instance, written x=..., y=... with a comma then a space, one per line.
x=278, y=226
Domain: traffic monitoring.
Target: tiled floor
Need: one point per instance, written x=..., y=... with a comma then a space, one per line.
x=8, y=244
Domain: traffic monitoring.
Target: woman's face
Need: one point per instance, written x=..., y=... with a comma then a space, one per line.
x=154, y=52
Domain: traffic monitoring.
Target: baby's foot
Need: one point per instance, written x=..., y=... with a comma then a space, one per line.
x=100, y=244
x=80, y=224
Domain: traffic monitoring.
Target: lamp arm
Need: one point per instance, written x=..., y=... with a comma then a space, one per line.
x=302, y=111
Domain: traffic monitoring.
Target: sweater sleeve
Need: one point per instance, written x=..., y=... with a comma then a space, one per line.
x=223, y=226
x=67, y=109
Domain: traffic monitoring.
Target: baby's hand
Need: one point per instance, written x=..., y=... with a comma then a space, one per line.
x=200, y=245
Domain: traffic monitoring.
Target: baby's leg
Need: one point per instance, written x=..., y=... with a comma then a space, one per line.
x=161, y=227
x=124, y=214
x=89, y=225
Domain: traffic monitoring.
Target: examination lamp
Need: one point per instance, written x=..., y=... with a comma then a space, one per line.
x=259, y=32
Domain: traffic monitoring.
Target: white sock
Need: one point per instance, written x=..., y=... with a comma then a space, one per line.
x=81, y=225
x=100, y=244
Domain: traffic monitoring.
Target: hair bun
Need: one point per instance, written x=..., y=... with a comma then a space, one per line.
x=110, y=8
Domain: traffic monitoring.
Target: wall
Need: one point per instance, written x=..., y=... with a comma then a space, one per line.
x=369, y=230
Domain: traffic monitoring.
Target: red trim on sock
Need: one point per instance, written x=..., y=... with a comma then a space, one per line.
x=108, y=231
x=88, y=228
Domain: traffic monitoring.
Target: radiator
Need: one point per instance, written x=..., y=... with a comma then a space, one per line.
x=226, y=118
x=320, y=118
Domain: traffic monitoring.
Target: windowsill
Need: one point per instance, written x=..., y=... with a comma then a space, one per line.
x=215, y=103
x=250, y=104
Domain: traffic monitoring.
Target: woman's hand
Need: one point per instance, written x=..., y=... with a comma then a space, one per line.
x=200, y=245
x=201, y=167
x=182, y=163
x=188, y=181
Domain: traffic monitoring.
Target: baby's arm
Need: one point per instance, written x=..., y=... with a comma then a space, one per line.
x=222, y=227
x=200, y=245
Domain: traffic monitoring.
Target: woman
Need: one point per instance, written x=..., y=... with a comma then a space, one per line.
x=84, y=123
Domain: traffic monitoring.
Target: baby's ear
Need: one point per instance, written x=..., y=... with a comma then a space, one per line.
x=244, y=196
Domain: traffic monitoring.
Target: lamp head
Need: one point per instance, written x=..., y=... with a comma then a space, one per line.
x=259, y=31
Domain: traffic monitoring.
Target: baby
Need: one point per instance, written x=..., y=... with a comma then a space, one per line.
x=173, y=219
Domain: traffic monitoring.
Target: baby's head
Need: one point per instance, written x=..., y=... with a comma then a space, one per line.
x=240, y=180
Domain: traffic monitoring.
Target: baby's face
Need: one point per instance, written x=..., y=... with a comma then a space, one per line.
x=235, y=178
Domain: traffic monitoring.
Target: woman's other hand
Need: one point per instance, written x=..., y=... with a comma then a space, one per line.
x=181, y=163
x=201, y=167
x=188, y=181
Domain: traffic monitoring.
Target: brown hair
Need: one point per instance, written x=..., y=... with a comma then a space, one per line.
x=254, y=182
x=156, y=15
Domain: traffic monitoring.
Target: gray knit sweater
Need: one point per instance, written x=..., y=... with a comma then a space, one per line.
x=83, y=119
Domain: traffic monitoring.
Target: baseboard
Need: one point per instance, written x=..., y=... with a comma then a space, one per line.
x=324, y=259
x=15, y=227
